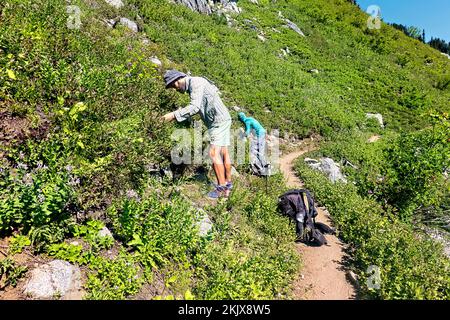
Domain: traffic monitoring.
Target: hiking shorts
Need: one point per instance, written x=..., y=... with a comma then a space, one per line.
x=220, y=135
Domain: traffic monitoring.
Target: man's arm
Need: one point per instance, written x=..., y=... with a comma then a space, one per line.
x=168, y=117
x=195, y=104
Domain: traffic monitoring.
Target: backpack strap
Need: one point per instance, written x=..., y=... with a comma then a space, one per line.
x=305, y=202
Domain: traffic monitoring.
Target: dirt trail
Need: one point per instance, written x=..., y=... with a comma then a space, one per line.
x=322, y=276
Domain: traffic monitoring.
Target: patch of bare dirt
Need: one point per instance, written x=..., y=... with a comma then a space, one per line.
x=374, y=138
x=16, y=129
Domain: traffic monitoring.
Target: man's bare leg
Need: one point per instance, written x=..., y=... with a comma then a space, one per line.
x=218, y=165
x=227, y=163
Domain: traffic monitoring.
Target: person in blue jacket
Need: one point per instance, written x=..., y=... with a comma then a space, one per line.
x=257, y=145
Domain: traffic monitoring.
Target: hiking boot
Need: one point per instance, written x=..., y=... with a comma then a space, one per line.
x=219, y=192
x=229, y=188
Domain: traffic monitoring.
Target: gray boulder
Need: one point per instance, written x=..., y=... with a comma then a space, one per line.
x=105, y=233
x=327, y=166
x=55, y=279
x=115, y=3
x=156, y=61
x=129, y=24
x=377, y=117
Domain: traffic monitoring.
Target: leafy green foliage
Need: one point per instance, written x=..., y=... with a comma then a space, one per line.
x=113, y=279
x=252, y=256
x=90, y=232
x=18, y=243
x=411, y=266
x=10, y=273
x=32, y=198
x=416, y=163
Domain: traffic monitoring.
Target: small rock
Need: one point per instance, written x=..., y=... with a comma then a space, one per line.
x=204, y=223
x=115, y=3
x=105, y=233
x=55, y=279
x=294, y=27
x=261, y=37
x=377, y=117
x=236, y=108
x=166, y=172
x=353, y=277
x=283, y=53
x=156, y=61
x=314, y=71
x=129, y=24
x=110, y=23
x=276, y=30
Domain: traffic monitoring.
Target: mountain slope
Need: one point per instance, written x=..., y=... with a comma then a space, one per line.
x=82, y=146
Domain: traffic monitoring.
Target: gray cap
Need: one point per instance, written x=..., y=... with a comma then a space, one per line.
x=171, y=76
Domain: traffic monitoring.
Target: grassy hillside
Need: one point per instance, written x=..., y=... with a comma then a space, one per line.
x=82, y=146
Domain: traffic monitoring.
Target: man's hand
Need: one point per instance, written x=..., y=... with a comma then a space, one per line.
x=168, y=117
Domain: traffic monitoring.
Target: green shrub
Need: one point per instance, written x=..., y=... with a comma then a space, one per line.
x=10, y=272
x=32, y=198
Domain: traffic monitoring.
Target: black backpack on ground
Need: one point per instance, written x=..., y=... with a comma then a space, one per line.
x=298, y=205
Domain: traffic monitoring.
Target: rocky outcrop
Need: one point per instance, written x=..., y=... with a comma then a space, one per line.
x=201, y=6
x=208, y=7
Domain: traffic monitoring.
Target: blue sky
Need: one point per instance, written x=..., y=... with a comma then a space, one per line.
x=431, y=15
